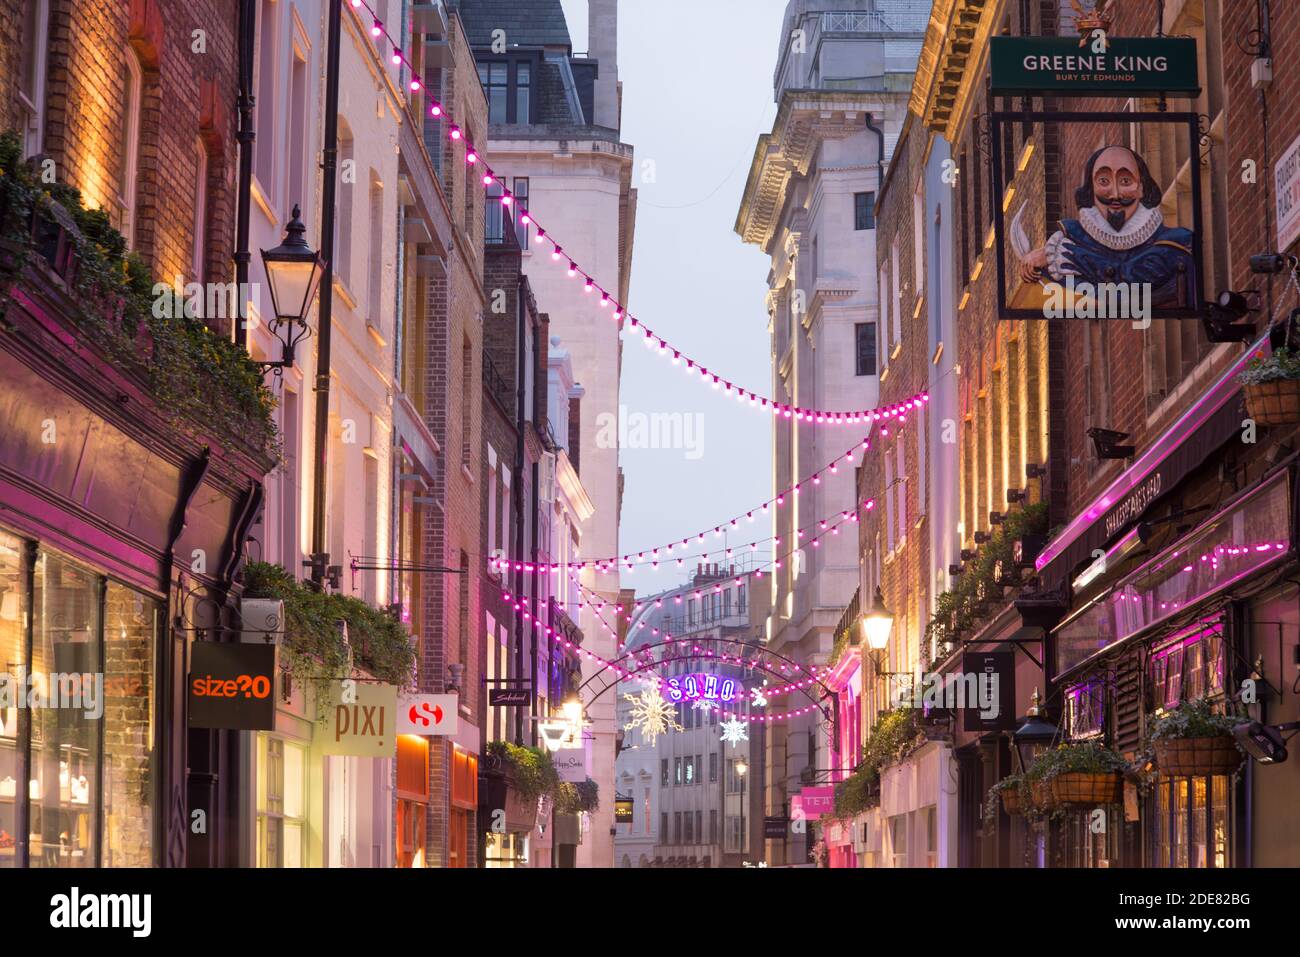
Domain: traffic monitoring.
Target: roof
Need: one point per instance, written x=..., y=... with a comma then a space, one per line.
x=527, y=23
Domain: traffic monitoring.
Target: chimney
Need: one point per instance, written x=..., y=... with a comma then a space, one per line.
x=602, y=46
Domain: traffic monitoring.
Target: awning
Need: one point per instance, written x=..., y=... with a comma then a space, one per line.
x=1210, y=422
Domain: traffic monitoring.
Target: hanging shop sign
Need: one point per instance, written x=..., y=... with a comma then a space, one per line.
x=775, y=828
x=1286, y=192
x=623, y=811
x=707, y=686
x=1094, y=66
x=232, y=686
x=360, y=720
x=431, y=714
x=510, y=697
x=817, y=801
x=571, y=764
x=991, y=676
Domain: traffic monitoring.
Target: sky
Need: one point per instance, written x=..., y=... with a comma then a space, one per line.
x=697, y=92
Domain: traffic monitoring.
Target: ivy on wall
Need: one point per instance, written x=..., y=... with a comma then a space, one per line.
x=199, y=379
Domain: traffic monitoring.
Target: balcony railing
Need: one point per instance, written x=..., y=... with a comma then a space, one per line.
x=901, y=17
x=496, y=384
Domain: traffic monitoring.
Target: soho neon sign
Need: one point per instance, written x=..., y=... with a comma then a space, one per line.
x=710, y=687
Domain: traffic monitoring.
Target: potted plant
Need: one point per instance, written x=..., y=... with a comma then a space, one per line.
x=1010, y=792
x=1077, y=775
x=1194, y=740
x=1272, y=387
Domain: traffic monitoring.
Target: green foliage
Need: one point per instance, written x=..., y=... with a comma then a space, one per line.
x=313, y=645
x=1284, y=363
x=961, y=598
x=531, y=769
x=1191, y=719
x=857, y=792
x=573, y=798
x=199, y=379
x=1089, y=757
x=891, y=739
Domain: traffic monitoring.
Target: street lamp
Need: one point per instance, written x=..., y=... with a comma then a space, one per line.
x=877, y=623
x=1034, y=736
x=572, y=708
x=293, y=273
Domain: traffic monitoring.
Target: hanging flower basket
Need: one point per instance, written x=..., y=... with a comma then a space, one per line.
x=1197, y=757
x=1087, y=788
x=1011, y=802
x=1274, y=403
x=1041, y=796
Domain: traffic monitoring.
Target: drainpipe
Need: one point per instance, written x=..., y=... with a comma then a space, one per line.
x=880, y=155
x=245, y=136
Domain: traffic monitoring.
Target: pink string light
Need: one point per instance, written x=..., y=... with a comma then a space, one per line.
x=662, y=346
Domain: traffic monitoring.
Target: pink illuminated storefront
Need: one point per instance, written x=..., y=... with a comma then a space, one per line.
x=845, y=681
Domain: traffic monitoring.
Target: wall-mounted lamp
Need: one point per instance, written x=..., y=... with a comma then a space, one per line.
x=1106, y=442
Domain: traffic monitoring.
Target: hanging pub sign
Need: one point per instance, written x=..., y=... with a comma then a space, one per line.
x=989, y=701
x=775, y=828
x=232, y=686
x=360, y=719
x=623, y=811
x=1128, y=244
x=571, y=764
x=1094, y=65
x=428, y=714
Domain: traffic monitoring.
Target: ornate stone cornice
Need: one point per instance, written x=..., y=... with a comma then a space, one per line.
x=804, y=118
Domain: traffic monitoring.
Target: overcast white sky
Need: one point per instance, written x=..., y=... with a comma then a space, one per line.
x=697, y=92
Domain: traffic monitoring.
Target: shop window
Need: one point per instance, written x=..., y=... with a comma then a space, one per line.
x=1191, y=822
x=14, y=606
x=65, y=741
x=130, y=754
x=898, y=840
x=281, y=790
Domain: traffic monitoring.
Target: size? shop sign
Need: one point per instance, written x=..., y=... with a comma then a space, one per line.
x=1127, y=66
x=232, y=686
x=360, y=719
x=434, y=714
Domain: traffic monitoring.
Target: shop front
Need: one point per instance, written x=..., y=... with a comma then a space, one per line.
x=1177, y=601
x=918, y=809
x=121, y=534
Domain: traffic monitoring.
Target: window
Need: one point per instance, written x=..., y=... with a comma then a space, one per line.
x=521, y=202
x=883, y=297
x=699, y=758
x=713, y=767
x=898, y=839
x=523, y=91
x=699, y=827
x=931, y=836
x=677, y=827
x=898, y=291
x=740, y=599
x=663, y=827
x=690, y=829
x=495, y=78
x=713, y=827
x=677, y=770
x=726, y=603
x=466, y=406
x=688, y=766
x=31, y=73
x=129, y=152
x=343, y=221
x=865, y=351
x=690, y=611
x=508, y=86
x=268, y=47
x=298, y=129
x=864, y=210
x=376, y=257
x=200, y=253
x=281, y=787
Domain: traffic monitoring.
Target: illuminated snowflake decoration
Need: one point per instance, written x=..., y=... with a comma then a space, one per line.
x=734, y=731
x=652, y=714
x=756, y=697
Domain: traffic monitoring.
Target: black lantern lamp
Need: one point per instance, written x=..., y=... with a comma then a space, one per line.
x=1034, y=736
x=293, y=272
